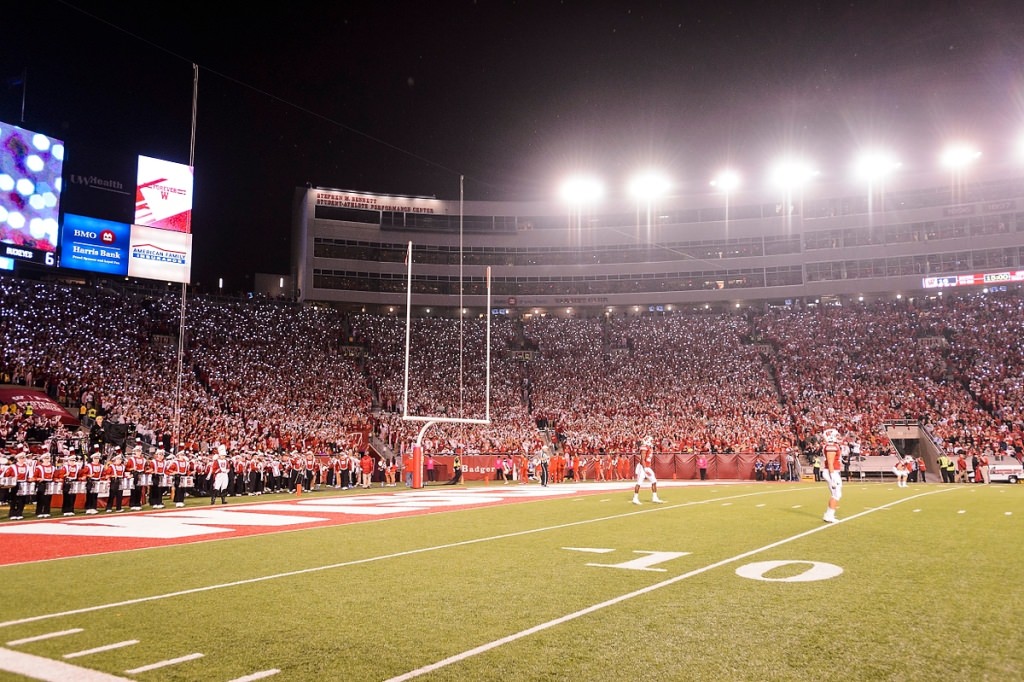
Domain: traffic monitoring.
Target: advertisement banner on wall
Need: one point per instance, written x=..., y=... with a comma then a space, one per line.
x=94, y=245
x=160, y=254
x=163, y=195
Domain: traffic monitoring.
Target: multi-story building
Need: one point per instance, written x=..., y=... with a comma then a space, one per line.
x=825, y=243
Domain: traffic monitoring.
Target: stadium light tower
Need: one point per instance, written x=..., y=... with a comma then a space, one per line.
x=726, y=182
x=874, y=166
x=791, y=175
x=579, y=191
x=647, y=187
x=958, y=156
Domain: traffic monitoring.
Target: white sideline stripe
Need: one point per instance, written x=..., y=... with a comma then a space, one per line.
x=48, y=670
x=99, y=649
x=48, y=635
x=384, y=557
x=162, y=664
x=256, y=676
x=636, y=593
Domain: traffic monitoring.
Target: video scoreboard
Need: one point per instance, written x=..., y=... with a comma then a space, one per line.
x=156, y=245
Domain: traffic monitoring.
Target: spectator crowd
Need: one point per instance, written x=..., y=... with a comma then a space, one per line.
x=270, y=378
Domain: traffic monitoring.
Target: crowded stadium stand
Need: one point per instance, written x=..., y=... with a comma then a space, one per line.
x=738, y=335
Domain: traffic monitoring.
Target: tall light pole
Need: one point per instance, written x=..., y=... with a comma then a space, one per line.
x=873, y=166
x=792, y=175
x=647, y=187
x=726, y=182
x=957, y=157
x=579, y=191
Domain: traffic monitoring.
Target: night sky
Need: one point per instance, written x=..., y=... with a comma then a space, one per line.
x=404, y=97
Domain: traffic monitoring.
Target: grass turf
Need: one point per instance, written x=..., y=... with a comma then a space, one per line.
x=927, y=591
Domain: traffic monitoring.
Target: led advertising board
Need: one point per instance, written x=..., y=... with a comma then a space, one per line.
x=163, y=195
x=94, y=245
x=30, y=183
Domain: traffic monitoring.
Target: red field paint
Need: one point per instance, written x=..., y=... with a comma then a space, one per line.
x=81, y=536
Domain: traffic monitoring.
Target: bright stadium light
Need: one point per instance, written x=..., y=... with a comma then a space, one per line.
x=793, y=174
x=875, y=165
x=649, y=185
x=959, y=155
x=726, y=181
x=581, y=189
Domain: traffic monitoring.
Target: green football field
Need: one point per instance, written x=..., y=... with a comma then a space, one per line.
x=722, y=582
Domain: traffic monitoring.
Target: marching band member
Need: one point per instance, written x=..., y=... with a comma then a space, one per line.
x=345, y=471
x=236, y=480
x=201, y=470
x=114, y=472
x=310, y=475
x=156, y=468
x=178, y=468
x=19, y=472
x=44, y=476
x=219, y=468
x=69, y=472
x=298, y=464
x=92, y=474
x=135, y=467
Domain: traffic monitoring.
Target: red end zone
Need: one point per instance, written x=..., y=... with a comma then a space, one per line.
x=119, y=532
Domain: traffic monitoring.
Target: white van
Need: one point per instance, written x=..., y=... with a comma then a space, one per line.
x=1005, y=469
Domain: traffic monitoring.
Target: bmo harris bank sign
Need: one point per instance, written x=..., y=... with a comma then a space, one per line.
x=94, y=245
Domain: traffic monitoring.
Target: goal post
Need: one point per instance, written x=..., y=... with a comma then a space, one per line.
x=429, y=420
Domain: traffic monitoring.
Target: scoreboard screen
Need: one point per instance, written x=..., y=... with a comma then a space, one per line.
x=30, y=183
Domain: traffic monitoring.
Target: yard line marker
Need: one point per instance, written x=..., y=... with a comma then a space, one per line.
x=48, y=635
x=383, y=557
x=107, y=647
x=631, y=595
x=48, y=670
x=162, y=664
x=256, y=676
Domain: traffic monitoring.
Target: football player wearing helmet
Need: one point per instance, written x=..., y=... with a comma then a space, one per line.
x=833, y=474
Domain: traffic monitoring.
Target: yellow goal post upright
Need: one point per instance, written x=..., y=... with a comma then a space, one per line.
x=430, y=420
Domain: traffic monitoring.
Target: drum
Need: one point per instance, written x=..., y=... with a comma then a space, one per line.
x=128, y=483
x=101, y=488
x=187, y=481
x=8, y=481
x=165, y=480
x=76, y=488
x=145, y=479
x=53, y=488
x=27, y=488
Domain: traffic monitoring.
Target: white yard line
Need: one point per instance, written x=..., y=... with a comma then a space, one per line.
x=48, y=670
x=48, y=635
x=256, y=676
x=162, y=664
x=637, y=593
x=100, y=649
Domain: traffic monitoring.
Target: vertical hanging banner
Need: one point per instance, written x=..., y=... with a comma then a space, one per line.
x=163, y=195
